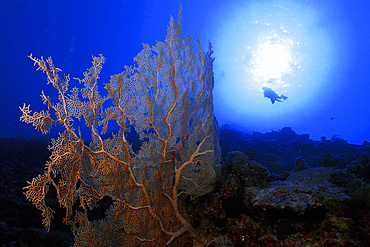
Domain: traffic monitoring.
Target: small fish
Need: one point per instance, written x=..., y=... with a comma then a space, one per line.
x=272, y=95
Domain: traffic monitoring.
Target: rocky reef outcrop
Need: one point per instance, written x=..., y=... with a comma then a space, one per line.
x=273, y=189
x=284, y=189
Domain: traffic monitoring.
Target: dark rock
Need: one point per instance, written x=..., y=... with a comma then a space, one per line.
x=270, y=149
x=337, y=140
x=307, y=149
x=327, y=160
x=300, y=164
x=240, y=168
x=252, y=153
x=345, y=149
x=237, y=158
x=259, y=170
x=270, y=158
x=301, y=191
x=360, y=168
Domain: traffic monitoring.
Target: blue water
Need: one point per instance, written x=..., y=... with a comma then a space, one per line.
x=326, y=79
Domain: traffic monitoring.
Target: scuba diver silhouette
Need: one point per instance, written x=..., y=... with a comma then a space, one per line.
x=272, y=95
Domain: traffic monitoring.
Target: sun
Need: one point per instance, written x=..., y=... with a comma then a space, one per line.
x=271, y=61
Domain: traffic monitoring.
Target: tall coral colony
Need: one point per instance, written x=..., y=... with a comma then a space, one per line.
x=166, y=98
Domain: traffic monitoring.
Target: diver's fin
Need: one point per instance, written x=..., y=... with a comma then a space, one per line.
x=284, y=97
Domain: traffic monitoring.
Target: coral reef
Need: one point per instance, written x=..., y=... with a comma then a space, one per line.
x=166, y=98
x=300, y=191
x=334, y=216
x=306, y=201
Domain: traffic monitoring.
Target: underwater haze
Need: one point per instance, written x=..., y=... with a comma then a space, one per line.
x=312, y=56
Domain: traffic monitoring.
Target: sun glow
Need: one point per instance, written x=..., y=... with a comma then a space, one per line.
x=271, y=61
x=285, y=45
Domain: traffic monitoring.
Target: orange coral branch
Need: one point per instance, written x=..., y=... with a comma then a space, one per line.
x=167, y=99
